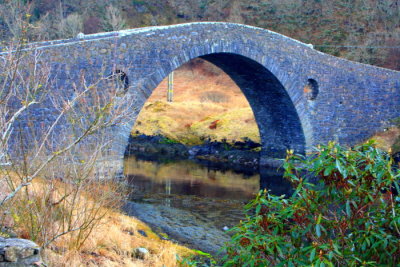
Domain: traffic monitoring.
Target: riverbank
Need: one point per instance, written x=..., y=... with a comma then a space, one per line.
x=115, y=240
x=115, y=243
x=389, y=140
x=244, y=154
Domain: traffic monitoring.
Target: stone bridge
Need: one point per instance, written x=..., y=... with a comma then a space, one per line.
x=300, y=97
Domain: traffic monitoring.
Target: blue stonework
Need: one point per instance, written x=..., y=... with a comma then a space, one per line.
x=300, y=97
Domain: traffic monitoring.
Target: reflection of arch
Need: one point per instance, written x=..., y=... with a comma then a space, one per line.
x=272, y=179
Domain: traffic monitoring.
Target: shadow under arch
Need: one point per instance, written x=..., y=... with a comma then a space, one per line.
x=276, y=116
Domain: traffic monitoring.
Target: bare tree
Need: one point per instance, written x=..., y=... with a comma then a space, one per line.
x=63, y=152
x=14, y=14
x=71, y=25
x=113, y=20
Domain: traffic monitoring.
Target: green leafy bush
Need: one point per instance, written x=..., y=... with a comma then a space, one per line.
x=348, y=216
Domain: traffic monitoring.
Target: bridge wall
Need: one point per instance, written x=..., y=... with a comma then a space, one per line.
x=333, y=99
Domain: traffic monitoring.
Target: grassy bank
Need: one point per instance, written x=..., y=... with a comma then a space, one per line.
x=389, y=140
x=113, y=243
x=207, y=105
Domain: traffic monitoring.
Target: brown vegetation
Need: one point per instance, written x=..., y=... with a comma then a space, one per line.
x=105, y=237
x=207, y=105
x=388, y=140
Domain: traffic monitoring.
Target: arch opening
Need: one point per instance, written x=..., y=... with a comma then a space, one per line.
x=207, y=107
x=276, y=116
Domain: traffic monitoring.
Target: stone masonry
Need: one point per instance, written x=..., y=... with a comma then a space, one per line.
x=300, y=97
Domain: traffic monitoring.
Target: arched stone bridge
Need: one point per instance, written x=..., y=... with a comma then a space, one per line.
x=300, y=97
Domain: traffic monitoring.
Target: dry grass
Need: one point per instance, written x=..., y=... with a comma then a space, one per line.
x=234, y=125
x=109, y=243
x=203, y=94
x=112, y=243
x=388, y=139
x=198, y=78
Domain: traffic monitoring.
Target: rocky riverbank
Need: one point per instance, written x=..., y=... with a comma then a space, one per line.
x=186, y=227
x=239, y=154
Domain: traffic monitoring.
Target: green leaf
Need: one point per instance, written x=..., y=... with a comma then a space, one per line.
x=258, y=208
x=339, y=166
x=348, y=209
x=328, y=170
x=330, y=255
x=319, y=219
x=312, y=254
x=318, y=230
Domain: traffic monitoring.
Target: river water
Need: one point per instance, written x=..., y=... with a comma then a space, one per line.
x=194, y=203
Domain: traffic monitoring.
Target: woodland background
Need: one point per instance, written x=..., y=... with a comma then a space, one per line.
x=370, y=27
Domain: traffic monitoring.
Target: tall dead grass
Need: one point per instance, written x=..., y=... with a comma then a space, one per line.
x=79, y=224
x=112, y=244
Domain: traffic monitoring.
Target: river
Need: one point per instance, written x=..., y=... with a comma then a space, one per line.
x=192, y=202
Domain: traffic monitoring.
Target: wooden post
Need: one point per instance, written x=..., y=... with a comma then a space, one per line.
x=170, y=92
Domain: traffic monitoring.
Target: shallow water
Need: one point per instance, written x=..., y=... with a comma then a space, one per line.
x=193, y=203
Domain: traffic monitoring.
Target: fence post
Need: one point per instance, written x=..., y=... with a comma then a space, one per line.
x=170, y=90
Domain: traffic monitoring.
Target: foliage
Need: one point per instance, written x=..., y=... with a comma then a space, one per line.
x=348, y=216
x=200, y=258
x=113, y=19
x=71, y=25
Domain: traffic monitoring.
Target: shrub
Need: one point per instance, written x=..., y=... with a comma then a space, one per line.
x=348, y=216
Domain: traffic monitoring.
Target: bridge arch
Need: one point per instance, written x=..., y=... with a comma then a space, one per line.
x=276, y=115
x=317, y=97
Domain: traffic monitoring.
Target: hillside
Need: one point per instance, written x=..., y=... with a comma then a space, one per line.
x=207, y=104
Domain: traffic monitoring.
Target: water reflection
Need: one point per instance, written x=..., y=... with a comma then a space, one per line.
x=187, y=177
x=272, y=179
x=193, y=202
